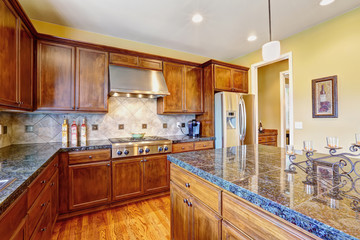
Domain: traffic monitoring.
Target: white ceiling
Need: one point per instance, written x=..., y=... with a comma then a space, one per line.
x=167, y=23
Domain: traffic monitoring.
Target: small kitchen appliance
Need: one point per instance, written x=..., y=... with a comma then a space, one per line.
x=194, y=128
x=129, y=147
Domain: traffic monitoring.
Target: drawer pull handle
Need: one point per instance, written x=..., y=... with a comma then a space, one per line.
x=189, y=204
x=43, y=181
x=145, y=160
x=185, y=200
x=90, y=157
x=52, y=184
x=56, y=165
x=204, y=145
x=187, y=185
x=182, y=148
x=43, y=205
x=108, y=164
x=43, y=229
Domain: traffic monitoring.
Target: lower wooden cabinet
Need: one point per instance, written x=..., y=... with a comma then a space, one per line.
x=231, y=233
x=127, y=178
x=21, y=231
x=191, y=219
x=89, y=185
x=156, y=174
x=54, y=198
x=140, y=176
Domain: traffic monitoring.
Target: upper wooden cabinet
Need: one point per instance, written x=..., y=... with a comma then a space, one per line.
x=230, y=79
x=185, y=84
x=16, y=60
x=135, y=61
x=55, y=76
x=91, y=80
x=57, y=87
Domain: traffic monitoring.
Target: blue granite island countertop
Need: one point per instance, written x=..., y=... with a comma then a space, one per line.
x=256, y=174
x=24, y=162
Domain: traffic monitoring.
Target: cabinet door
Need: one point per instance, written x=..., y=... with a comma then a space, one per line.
x=25, y=68
x=54, y=199
x=20, y=233
x=193, y=90
x=89, y=184
x=174, y=77
x=8, y=55
x=156, y=174
x=55, y=77
x=223, y=78
x=180, y=214
x=240, y=80
x=206, y=224
x=127, y=180
x=91, y=80
x=230, y=233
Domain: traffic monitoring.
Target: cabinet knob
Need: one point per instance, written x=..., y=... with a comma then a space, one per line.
x=43, y=181
x=185, y=200
x=43, y=205
x=108, y=164
x=52, y=184
x=189, y=204
x=90, y=157
x=187, y=185
x=204, y=145
x=145, y=160
x=182, y=148
x=43, y=229
x=56, y=165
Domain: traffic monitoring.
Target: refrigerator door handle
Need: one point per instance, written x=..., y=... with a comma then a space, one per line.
x=241, y=120
x=244, y=119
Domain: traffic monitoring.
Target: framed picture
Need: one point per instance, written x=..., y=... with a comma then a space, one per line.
x=324, y=97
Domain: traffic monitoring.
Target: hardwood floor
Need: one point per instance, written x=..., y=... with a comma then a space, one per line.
x=149, y=219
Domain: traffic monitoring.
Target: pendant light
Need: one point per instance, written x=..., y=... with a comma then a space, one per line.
x=270, y=50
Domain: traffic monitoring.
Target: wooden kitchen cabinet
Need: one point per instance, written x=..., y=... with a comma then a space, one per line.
x=54, y=198
x=231, y=233
x=55, y=76
x=16, y=60
x=230, y=79
x=156, y=174
x=89, y=185
x=91, y=80
x=135, y=61
x=191, y=219
x=127, y=178
x=185, y=84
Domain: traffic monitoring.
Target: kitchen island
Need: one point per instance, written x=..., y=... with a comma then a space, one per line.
x=243, y=192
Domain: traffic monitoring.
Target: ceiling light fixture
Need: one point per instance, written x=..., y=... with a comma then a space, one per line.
x=271, y=49
x=326, y=2
x=197, y=18
x=252, y=38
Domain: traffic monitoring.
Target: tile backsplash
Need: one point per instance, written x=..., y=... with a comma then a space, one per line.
x=132, y=113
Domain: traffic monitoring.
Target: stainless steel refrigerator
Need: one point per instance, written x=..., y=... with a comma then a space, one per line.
x=234, y=119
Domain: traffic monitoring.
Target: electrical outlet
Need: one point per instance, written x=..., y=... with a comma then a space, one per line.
x=144, y=126
x=121, y=126
x=164, y=125
x=29, y=128
x=94, y=127
x=182, y=125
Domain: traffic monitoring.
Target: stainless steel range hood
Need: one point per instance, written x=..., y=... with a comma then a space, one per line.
x=133, y=82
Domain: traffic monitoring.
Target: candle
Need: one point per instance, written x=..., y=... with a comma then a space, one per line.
x=308, y=146
x=357, y=138
x=290, y=149
x=332, y=142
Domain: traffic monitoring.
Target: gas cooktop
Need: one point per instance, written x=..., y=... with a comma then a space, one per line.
x=129, y=147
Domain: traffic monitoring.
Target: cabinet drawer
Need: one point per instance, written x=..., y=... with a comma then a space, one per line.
x=123, y=59
x=89, y=156
x=150, y=63
x=264, y=139
x=205, y=192
x=41, y=181
x=204, y=145
x=43, y=229
x=262, y=225
x=38, y=208
x=182, y=147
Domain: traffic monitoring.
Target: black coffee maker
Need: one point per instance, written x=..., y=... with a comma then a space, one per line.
x=194, y=128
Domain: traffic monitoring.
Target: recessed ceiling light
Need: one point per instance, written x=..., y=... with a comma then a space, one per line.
x=197, y=18
x=252, y=38
x=326, y=2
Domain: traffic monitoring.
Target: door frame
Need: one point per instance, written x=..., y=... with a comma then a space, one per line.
x=254, y=90
x=283, y=76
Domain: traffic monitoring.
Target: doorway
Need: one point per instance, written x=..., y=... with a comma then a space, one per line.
x=286, y=89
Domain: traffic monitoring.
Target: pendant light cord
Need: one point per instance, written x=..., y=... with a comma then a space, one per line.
x=269, y=8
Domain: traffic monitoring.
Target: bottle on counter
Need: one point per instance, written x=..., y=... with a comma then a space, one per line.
x=260, y=127
x=65, y=136
x=83, y=133
x=74, y=135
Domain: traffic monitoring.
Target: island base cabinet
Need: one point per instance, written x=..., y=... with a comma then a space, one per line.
x=191, y=219
x=89, y=184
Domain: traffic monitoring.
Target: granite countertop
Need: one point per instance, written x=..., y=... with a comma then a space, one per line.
x=24, y=162
x=186, y=138
x=256, y=173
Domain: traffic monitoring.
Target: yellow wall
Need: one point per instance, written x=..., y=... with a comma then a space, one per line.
x=330, y=48
x=81, y=35
x=269, y=95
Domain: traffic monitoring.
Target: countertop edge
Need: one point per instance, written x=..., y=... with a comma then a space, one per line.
x=307, y=223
